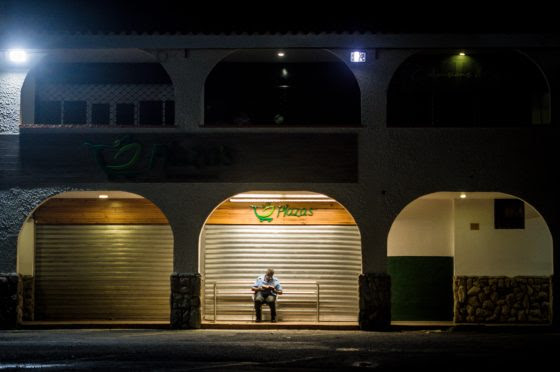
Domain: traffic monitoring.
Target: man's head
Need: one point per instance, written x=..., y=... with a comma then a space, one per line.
x=270, y=273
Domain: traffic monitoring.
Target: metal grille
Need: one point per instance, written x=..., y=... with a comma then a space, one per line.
x=103, y=272
x=111, y=94
x=325, y=254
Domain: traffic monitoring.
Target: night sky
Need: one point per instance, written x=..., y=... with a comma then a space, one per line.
x=273, y=16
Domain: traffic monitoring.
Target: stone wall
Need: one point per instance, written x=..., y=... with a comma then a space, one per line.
x=8, y=300
x=26, y=298
x=375, y=301
x=185, y=300
x=502, y=300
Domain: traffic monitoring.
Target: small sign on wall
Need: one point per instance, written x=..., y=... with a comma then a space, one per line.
x=509, y=214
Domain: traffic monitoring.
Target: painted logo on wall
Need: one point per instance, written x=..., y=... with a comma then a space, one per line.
x=267, y=213
x=129, y=158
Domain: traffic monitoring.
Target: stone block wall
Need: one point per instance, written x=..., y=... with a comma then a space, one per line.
x=26, y=298
x=8, y=300
x=185, y=300
x=502, y=300
x=375, y=301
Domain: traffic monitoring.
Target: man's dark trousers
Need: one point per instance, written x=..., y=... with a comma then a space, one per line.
x=270, y=300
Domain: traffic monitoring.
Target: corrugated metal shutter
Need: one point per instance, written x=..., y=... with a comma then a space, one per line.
x=103, y=272
x=329, y=255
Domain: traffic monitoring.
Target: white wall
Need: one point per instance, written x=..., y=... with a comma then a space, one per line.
x=508, y=252
x=423, y=228
x=26, y=248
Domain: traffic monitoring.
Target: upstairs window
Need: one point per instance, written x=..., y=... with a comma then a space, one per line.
x=282, y=88
x=468, y=89
x=103, y=94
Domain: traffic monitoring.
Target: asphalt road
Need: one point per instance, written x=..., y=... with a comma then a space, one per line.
x=249, y=350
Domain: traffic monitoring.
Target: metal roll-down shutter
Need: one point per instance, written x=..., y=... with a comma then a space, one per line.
x=103, y=272
x=327, y=254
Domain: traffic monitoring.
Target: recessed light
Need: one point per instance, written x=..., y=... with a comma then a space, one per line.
x=103, y=196
x=281, y=54
x=463, y=195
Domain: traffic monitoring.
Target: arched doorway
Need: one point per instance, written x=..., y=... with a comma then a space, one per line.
x=96, y=256
x=309, y=239
x=476, y=257
x=98, y=88
x=468, y=88
x=286, y=87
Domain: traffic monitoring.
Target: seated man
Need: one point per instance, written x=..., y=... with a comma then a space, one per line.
x=266, y=288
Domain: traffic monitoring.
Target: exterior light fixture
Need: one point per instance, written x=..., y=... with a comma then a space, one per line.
x=358, y=56
x=284, y=73
x=17, y=56
x=280, y=198
x=462, y=54
x=281, y=54
x=463, y=195
x=103, y=196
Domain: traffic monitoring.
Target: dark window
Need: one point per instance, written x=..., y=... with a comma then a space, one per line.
x=106, y=88
x=49, y=112
x=169, y=112
x=125, y=114
x=282, y=94
x=100, y=113
x=150, y=112
x=509, y=214
x=478, y=89
x=75, y=112
x=102, y=73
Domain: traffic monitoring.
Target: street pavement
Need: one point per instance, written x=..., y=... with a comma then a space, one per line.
x=280, y=350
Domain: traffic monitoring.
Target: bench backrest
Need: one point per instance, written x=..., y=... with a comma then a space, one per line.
x=233, y=300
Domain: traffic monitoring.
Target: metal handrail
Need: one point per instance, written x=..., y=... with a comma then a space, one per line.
x=215, y=302
x=318, y=302
x=317, y=295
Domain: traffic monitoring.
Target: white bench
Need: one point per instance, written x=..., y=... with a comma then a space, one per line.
x=234, y=300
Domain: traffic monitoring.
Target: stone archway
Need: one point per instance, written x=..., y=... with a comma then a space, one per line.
x=310, y=240
x=477, y=257
x=95, y=256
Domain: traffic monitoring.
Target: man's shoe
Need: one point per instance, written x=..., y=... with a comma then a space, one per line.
x=272, y=320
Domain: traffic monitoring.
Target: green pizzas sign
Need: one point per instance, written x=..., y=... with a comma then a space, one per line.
x=269, y=212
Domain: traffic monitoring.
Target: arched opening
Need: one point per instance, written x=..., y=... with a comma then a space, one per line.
x=95, y=256
x=98, y=88
x=309, y=239
x=288, y=87
x=468, y=89
x=477, y=257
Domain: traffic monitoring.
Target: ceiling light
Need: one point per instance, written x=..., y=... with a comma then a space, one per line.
x=281, y=54
x=103, y=196
x=463, y=195
x=279, y=198
x=265, y=200
x=462, y=54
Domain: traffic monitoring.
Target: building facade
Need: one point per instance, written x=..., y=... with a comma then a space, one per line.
x=402, y=155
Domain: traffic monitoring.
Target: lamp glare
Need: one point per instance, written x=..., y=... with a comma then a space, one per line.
x=17, y=55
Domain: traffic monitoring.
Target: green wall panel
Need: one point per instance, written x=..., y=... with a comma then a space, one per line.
x=421, y=288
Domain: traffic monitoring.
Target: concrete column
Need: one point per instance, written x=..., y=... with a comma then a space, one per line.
x=188, y=71
x=11, y=83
